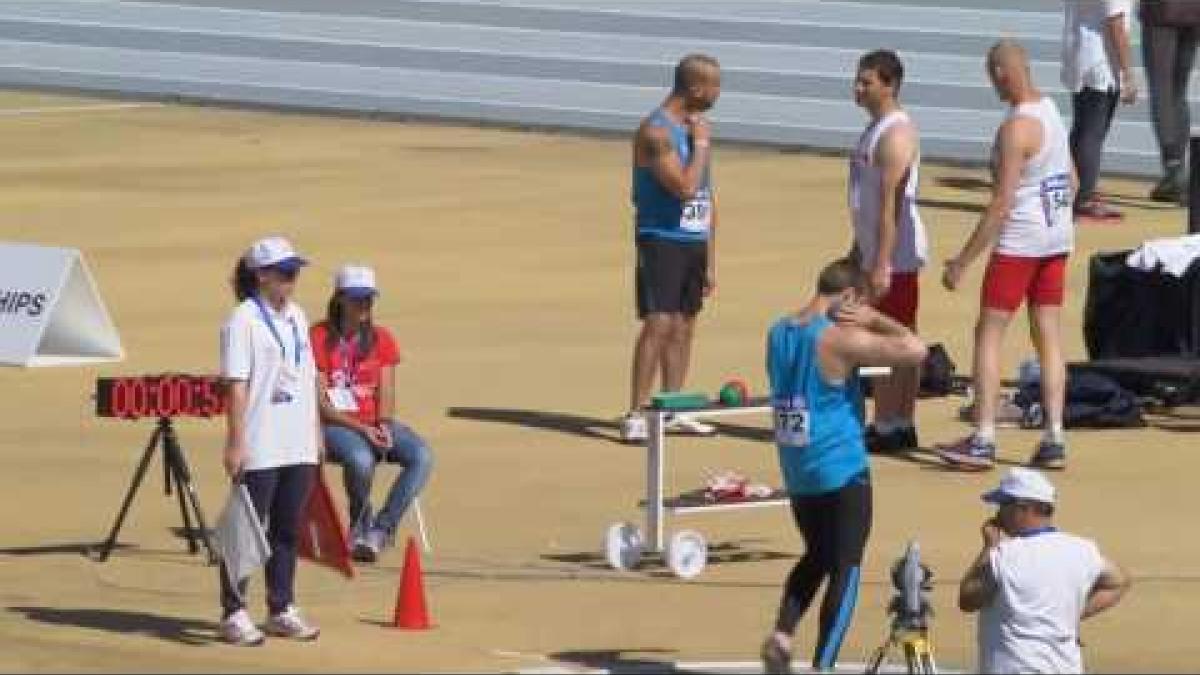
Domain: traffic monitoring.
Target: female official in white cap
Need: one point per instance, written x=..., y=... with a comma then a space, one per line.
x=273, y=439
x=357, y=361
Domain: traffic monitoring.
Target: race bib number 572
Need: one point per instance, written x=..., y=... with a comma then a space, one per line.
x=791, y=420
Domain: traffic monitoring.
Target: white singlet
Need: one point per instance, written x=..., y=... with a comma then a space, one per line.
x=1041, y=223
x=865, y=191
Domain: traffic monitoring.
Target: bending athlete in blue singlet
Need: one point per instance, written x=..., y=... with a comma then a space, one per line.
x=812, y=357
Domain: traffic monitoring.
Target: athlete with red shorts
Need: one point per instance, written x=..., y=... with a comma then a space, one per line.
x=1029, y=227
x=889, y=238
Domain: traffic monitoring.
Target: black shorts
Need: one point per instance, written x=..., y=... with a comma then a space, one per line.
x=670, y=277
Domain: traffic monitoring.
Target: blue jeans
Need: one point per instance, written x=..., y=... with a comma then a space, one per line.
x=359, y=458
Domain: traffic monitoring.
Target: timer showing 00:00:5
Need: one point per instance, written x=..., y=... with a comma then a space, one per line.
x=175, y=395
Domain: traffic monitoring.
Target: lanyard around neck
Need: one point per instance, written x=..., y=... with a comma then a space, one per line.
x=266, y=317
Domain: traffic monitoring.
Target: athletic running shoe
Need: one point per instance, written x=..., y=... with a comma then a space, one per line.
x=238, y=629
x=289, y=624
x=896, y=440
x=1170, y=188
x=633, y=428
x=969, y=454
x=1049, y=456
x=368, y=547
x=679, y=423
x=776, y=657
x=1096, y=210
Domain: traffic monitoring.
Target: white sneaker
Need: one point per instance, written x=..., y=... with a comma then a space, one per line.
x=289, y=624
x=633, y=428
x=238, y=629
x=679, y=423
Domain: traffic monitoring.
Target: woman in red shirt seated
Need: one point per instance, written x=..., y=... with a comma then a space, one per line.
x=357, y=362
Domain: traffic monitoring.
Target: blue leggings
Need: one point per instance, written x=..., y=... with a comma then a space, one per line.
x=835, y=526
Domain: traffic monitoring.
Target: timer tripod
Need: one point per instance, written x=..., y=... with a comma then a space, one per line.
x=177, y=473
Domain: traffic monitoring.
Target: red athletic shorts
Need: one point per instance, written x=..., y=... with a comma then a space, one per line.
x=900, y=301
x=1009, y=279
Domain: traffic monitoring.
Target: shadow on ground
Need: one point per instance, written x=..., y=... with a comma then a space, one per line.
x=78, y=548
x=172, y=629
x=618, y=660
x=569, y=423
x=950, y=205
x=719, y=553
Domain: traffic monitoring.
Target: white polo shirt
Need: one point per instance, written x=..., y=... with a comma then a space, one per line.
x=1032, y=623
x=1089, y=58
x=277, y=367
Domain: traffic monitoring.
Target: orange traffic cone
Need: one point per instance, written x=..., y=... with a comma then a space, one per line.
x=410, y=600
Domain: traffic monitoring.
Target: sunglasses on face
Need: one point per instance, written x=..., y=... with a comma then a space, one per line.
x=286, y=273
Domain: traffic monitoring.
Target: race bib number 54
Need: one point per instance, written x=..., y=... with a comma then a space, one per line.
x=1056, y=198
x=791, y=420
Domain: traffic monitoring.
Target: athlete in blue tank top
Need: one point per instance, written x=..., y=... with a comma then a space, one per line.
x=812, y=361
x=820, y=437
x=663, y=214
x=675, y=223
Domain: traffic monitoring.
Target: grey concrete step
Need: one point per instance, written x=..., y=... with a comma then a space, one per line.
x=572, y=63
x=813, y=72
x=827, y=24
x=958, y=134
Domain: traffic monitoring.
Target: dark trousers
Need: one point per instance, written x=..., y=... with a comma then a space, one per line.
x=835, y=526
x=1092, y=117
x=1168, y=54
x=280, y=496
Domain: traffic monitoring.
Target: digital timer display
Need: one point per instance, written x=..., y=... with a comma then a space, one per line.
x=170, y=395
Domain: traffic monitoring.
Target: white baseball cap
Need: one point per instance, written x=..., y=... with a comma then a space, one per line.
x=274, y=252
x=356, y=281
x=1023, y=484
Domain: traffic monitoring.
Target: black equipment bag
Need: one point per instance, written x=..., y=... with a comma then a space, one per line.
x=1093, y=401
x=1135, y=313
x=937, y=372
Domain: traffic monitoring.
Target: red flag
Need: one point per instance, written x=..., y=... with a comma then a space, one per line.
x=323, y=536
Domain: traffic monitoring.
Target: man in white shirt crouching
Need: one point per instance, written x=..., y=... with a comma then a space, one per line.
x=1032, y=585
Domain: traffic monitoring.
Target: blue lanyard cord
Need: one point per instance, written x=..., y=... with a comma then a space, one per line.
x=266, y=317
x=1037, y=530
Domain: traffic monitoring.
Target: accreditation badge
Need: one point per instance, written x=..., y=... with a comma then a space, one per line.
x=342, y=399
x=287, y=384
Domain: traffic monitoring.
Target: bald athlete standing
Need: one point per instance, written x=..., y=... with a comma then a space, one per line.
x=1029, y=227
x=676, y=223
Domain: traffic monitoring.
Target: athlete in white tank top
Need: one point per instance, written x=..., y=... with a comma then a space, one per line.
x=1028, y=228
x=1041, y=223
x=866, y=185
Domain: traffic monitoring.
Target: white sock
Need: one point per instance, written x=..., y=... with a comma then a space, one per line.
x=887, y=426
x=986, y=433
x=1054, y=433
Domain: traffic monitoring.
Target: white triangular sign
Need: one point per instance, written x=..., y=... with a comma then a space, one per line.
x=50, y=311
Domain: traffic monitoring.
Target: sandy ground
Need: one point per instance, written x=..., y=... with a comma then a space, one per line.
x=505, y=258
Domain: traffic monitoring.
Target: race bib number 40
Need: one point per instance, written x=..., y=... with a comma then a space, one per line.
x=791, y=420
x=1056, y=198
x=697, y=212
